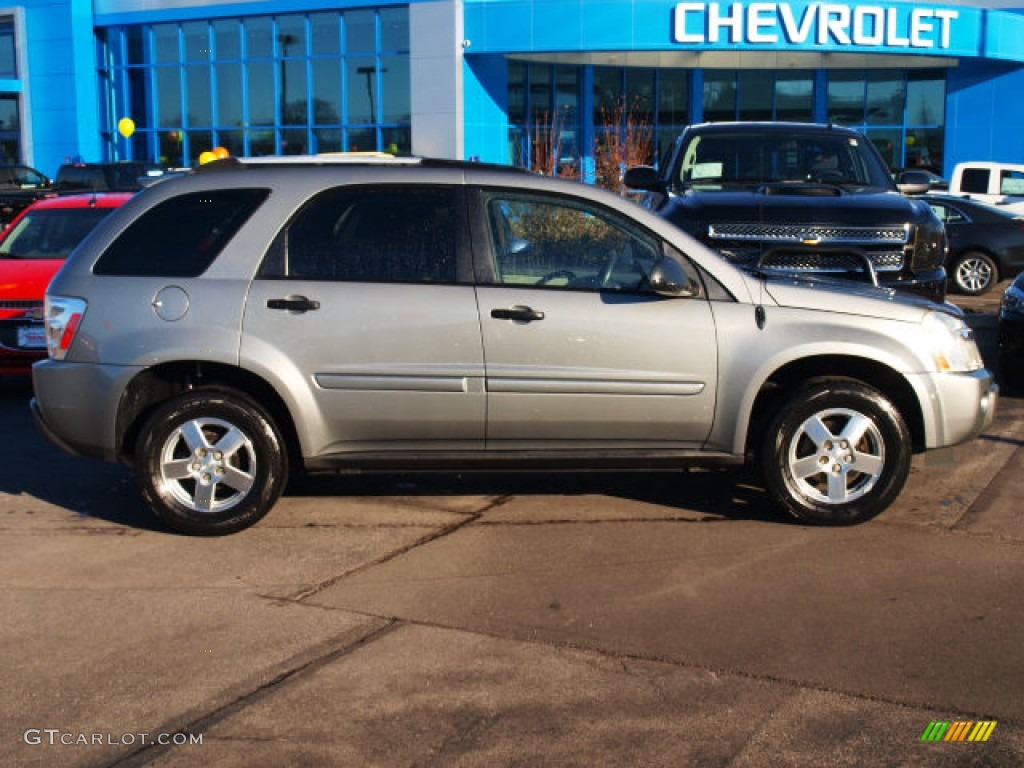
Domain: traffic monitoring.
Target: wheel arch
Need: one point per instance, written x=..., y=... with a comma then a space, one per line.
x=780, y=385
x=154, y=386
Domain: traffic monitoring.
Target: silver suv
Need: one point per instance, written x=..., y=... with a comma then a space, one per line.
x=249, y=320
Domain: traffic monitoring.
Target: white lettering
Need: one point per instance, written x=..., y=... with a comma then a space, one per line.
x=920, y=26
x=833, y=21
x=761, y=16
x=865, y=18
x=945, y=17
x=796, y=33
x=820, y=24
x=892, y=37
x=681, y=35
x=733, y=21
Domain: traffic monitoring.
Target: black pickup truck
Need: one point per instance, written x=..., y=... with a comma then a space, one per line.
x=798, y=198
x=20, y=186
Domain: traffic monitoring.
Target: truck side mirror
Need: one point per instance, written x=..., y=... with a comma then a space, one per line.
x=643, y=177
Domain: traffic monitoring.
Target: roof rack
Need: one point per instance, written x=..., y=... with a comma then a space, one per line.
x=348, y=158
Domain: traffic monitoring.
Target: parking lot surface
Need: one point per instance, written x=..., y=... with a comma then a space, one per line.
x=574, y=620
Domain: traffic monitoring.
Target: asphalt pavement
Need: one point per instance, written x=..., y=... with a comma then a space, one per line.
x=494, y=620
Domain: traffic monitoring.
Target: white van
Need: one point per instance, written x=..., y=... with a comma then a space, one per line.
x=999, y=184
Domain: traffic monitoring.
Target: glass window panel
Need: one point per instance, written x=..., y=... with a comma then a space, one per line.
x=232, y=141
x=165, y=44
x=229, y=94
x=138, y=97
x=396, y=96
x=889, y=145
x=197, y=81
x=360, y=32
x=326, y=34
x=9, y=113
x=262, y=143
x=885, y=96
x=540, y=94
x=294, y=141
x=327, y=87
x=227, y=39
x=756, y=88
x=925, y=149
x=394, y=29
x=197, y=40
x=8, y=50
x=362, y=140
x=846, y=97
x=719, y=96
x=362, y=90
x=794, y=96
x=261, y=96
x=326, y=140
x=640, y=93
x=673, y=96
x=168, y=96
x=397, y=141
x=293, y=92
x=135, y=50
x=291, y=35
x=607, y=93
x=516, y=92
x=926, y=99
x=170, y=149
x=259, y=37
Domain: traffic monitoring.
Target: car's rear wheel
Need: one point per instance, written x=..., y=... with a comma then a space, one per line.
x=210, y=462
x=974, y=273
x=837, y=453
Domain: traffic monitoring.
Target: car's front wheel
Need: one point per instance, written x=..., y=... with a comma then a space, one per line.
x=974, y=273
x=210, y=462
x=837, y=453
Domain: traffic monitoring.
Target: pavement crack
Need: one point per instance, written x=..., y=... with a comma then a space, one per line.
x=202, y=723
x=435, y=535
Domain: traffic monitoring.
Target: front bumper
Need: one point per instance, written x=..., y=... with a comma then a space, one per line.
x=963, y=406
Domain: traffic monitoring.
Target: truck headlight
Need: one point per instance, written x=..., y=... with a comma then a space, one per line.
x=952, y=343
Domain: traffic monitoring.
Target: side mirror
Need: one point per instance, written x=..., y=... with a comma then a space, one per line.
x=668, y=278
x=643, y=177
x=914, y=183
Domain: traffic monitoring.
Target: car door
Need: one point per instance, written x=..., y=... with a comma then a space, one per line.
x=360, y=313
x=580, y=353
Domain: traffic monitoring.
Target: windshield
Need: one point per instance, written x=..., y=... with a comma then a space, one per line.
x=50, y=234
x=720, y=159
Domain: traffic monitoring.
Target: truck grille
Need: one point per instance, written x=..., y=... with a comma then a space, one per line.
x=809, y=234
x=811, y=247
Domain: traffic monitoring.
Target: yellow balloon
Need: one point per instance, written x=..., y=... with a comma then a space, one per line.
x=206, y=157
x=126, y=126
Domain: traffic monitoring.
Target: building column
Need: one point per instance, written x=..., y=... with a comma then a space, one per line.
x=436, y=78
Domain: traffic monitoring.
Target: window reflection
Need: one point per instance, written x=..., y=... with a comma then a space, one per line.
x=261, y=84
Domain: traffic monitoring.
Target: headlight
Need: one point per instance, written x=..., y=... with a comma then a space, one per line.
x=952, y=343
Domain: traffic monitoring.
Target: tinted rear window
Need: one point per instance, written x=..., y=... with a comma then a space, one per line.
x=182, y=236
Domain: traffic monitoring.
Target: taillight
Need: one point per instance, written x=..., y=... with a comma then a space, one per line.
x=63, y=316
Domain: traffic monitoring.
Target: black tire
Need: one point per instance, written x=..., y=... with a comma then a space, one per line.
x=815, y=473
x=974, y=273
x=210, y=462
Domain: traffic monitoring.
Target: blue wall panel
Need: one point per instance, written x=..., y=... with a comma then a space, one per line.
x=984, y=112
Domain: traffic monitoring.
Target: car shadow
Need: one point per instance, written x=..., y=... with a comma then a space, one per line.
x=87, y=488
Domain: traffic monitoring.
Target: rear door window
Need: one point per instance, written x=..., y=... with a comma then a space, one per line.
x=181, y=236
x=370, y=234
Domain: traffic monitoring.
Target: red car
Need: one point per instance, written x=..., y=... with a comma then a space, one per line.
x=32, y=249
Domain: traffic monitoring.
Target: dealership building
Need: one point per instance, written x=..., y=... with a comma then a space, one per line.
x=499, y=80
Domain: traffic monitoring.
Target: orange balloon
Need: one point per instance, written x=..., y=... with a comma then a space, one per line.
x=206, y=157
x=221, y=152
